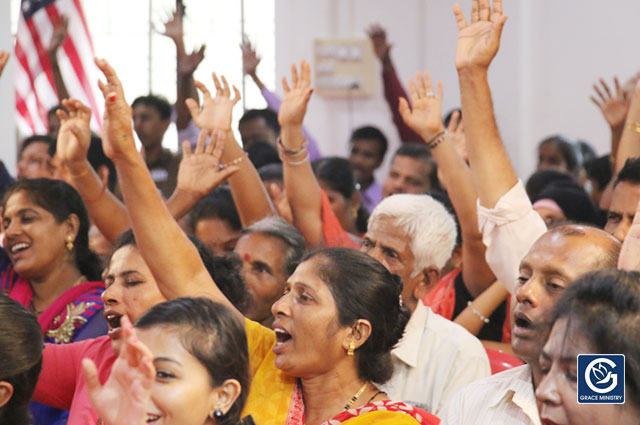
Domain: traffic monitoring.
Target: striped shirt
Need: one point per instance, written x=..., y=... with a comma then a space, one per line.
x=505, y=398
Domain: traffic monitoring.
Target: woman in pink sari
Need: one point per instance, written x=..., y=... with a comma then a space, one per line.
x=46, y=265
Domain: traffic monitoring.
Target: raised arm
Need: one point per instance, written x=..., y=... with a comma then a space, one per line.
x=57, y=39
x=249, y=194
x=74, y=139
x=171, y=257
x=425, y=118
x=186, y=66
x=477, y=45
x=614, y=108
x=393, y=90
x=302, y=188
x=630, y=141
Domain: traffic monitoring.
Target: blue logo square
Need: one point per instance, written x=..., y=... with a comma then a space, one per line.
x=600, y=378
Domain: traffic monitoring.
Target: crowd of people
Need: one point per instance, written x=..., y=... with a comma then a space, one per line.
x=262, y=283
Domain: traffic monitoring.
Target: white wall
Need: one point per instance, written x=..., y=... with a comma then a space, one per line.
x=552, y=51
x=7, y=129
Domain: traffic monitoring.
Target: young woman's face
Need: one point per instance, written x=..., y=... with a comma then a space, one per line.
x=310, y=340
x=130, y=288
x=34, y=240
x=342, y=208
x=557, y=392
x=182, y=393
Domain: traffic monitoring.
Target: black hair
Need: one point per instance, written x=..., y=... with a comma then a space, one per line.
x=159, y=103
x=573, y=200
x=337, y=173
x=38, y=138
x=20, y=358
x=270, y=118
x=363, y=288
x=630, y=173
x=421, y=152
x=587, y=152
x=604, y=307
x=212, y=334
x=225, y=271
x=217, y=204
x=262, y=153
x=599, y=169
x=567, y=149
x=52, y=111
x=543, y=178
x=62, y=200
x=371, y=133
x=271, y=172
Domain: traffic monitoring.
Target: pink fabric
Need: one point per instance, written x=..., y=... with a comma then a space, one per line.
x=23, y=293
x=547, y=203
x=442, y=298
x=61, y=383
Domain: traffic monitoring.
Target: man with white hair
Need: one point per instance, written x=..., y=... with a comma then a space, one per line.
x=413, y=236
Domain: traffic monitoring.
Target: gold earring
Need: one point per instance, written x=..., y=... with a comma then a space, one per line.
x=69, y=243
x=352, y=348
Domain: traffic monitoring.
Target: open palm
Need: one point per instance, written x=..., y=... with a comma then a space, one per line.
x=296, y=97
x=216, y=112
x=74, y=137
x=425, y=115
x=478, y=42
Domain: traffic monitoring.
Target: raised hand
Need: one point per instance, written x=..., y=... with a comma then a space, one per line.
x=188, y=63
x=216, y=111
x=378, y=36
x=200, y=171
x=426, y=116
x=59, y=34
x=250, y=58
x=173, y=28
x=124, y=397
x=117, y=133
x=74, y=137
x=296, y=97
x=478, y=43
x=4, y=58
x=614, y=107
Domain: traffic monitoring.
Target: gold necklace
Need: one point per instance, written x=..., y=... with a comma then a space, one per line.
x=355, y=396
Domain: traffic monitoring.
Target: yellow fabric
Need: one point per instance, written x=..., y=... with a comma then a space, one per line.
x=270, y=392
x=382, y=418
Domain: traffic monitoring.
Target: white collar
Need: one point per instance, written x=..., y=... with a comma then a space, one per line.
x=518, y=390
x=408, y=348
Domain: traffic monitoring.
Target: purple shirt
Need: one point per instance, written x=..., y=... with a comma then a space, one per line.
x=274, y=102
x=372, y=196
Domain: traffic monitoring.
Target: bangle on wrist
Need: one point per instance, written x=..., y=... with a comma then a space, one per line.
x=634, y=126
x=300, y=162
x=291, y=152
x=437, y=139
x=477, y=313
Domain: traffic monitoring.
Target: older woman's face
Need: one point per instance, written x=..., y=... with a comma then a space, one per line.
x=310, y=340
x=130, y=288
x=557, y=392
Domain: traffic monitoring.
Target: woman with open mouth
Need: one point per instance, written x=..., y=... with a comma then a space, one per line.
x=46, y=265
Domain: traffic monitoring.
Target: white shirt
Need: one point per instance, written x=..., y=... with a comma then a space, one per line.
x=509, y=230
x=503, y=398
x=433, y=360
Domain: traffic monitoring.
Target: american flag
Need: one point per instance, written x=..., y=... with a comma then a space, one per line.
x=34, y=84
